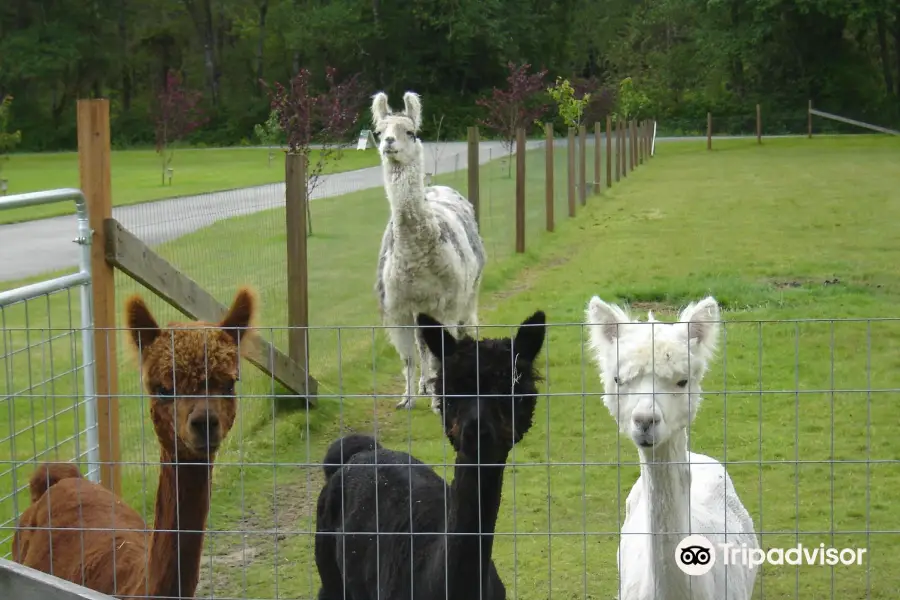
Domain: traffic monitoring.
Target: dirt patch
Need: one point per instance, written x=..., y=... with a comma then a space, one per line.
x=524, y=281
x=226, y=556
x=658, y=308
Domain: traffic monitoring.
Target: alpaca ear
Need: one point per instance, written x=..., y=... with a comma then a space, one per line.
x=240, y=315
x=603, y=322
x=144, y=328
x=703, y=322
x=530, y=337
x=436, y=337
x=380, y=108
x=413, y=105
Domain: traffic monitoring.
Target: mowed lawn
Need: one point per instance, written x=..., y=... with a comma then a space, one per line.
x=137, y=174
x=798, y=230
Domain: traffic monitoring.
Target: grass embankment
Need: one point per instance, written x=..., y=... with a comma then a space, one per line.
x=802, y=411
x=137, y=174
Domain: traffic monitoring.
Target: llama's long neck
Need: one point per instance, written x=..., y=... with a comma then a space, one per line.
x=474, y=504
x=667, y=483
x=406, y=191
x=176, y=544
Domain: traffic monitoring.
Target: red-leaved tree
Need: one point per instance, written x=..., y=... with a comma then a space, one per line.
x=323, y=120
x=176, y=113
x=520, y=104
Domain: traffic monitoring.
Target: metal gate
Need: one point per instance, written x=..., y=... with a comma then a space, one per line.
x=48, y=404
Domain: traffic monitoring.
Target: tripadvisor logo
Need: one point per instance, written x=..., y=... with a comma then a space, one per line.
x=695, y=555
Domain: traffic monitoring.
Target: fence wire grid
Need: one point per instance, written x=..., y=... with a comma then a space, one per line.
x=798, y=411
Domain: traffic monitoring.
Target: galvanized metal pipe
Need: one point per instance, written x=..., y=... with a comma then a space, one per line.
x=83, y=279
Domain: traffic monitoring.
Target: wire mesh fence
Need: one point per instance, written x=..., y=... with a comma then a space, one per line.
x=798, y=411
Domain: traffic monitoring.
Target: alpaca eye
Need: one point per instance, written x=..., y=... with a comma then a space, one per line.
x=163, y=392
x=616, y=379
x=682, y=383
x=411, y=135
x=228, y=389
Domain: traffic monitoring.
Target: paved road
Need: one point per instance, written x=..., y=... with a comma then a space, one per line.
x=35, y=247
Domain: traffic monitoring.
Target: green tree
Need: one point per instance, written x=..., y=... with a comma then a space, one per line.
x=571, y=109
x=269, y=133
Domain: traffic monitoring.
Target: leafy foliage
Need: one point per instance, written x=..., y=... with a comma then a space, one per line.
x=631, y=103
x=520, y=104
x=324, y=119
x=688, y=57
x=269, y=133
x=571, y=108
x=8, y=140
x=177, y=113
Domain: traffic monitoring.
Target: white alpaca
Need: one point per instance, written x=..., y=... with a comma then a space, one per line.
x=651, y=376
x=431, y=256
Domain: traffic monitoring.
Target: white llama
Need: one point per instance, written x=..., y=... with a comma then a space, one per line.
x=431, y=256
x=651, y=376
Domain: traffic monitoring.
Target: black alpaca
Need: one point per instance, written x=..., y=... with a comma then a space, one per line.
x=488, y=393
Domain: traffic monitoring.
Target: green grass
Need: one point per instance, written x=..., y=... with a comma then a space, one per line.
x=137, y=174
x=795, y=229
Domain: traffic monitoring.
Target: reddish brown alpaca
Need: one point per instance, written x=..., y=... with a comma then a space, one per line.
x=100, y=542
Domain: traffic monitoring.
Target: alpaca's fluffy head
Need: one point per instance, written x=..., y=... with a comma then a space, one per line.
x=190, y=370
x=397, y=132
x=487, y=387
x=652, y=371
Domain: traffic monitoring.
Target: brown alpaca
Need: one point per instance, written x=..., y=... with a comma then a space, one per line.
x=80, y=531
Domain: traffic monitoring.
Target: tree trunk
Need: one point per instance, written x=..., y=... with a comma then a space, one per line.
x=897, y=45
x=126, y=71
x=885, y=54
x=260, y=44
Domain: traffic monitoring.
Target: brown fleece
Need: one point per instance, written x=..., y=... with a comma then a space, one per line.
x=80, y=531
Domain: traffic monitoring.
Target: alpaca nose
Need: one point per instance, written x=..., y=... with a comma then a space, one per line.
x=390, y=140
x=645, y=422
x=206, y=427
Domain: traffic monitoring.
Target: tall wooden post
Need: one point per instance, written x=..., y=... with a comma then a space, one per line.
x=709, y=131
x=520, y=190
x=608, y=151
x=629, y=129
x=95, y=179
x=758, y=125
x=636, y=147
x=548, y=177
x=582, y=164
x=598, y=155
x=618, y=149
x=295, y=173
x=809, y=119
x=641, y=140
x=570, y=159
x=624, y=149
x=473, y=170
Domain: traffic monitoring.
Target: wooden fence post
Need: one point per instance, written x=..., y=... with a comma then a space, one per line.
x=758, y=125
x=295, y=173
x=598, y=174
x=636, y=144
x=582, y=164
x=809, y=119
x=709, y=131
x=608, y=151
x=571, y=162
x=95, y=181
x=641, y=141
x=548, y=178
x=520, y=190
x=473, y=169
x=629, y=130
x=618, y=149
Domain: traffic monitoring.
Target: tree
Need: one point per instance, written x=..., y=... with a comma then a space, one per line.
x=176, y=113
x=520, y=104
x=630, y=103
x=324, y=120
x=269, y=133
x=8, y=140
x=571, y=109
